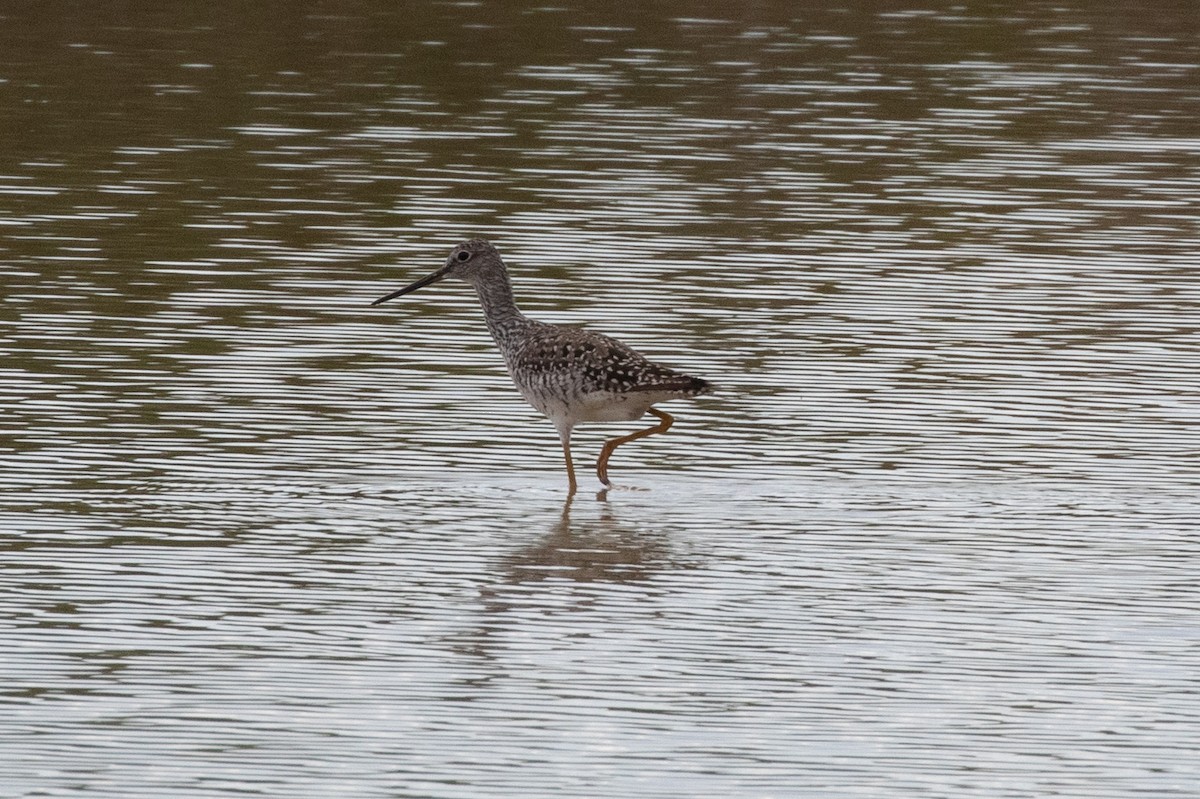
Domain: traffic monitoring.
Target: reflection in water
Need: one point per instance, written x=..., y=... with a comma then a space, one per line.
x=538, y=576
x=586, y=551
x=933, y=536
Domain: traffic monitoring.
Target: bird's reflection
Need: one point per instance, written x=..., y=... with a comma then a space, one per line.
x=559, y=573
x=589, y=550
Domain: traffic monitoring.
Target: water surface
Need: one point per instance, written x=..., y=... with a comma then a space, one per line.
x=933, y=537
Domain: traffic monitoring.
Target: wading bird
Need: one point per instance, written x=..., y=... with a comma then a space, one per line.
x=569, y=374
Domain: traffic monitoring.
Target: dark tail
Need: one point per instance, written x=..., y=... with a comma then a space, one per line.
x=691, y=386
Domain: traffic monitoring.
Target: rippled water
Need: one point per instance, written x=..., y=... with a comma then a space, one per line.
x=933, y=537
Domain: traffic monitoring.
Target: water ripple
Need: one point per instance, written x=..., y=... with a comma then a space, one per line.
x=932, y=536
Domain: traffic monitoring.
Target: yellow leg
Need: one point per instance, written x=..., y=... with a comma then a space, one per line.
x=566, y=444
x=665, y=422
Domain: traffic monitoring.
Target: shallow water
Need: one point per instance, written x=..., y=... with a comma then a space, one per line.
x=934, y=536
x=767, y=637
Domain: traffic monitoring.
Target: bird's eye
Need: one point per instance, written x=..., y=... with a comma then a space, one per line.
x=463, y=256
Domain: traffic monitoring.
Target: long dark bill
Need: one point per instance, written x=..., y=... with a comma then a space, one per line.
x=425, y=281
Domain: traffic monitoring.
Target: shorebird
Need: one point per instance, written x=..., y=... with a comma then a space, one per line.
x=570, y=374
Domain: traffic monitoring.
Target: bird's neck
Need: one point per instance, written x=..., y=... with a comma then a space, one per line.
x=499, y=309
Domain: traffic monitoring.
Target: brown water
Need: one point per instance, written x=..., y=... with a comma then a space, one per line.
x=934, y=536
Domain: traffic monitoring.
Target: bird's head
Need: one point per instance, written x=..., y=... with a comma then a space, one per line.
x=471, y=261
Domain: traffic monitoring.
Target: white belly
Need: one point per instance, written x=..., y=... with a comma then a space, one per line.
x=602, y=406
x=599, y=406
